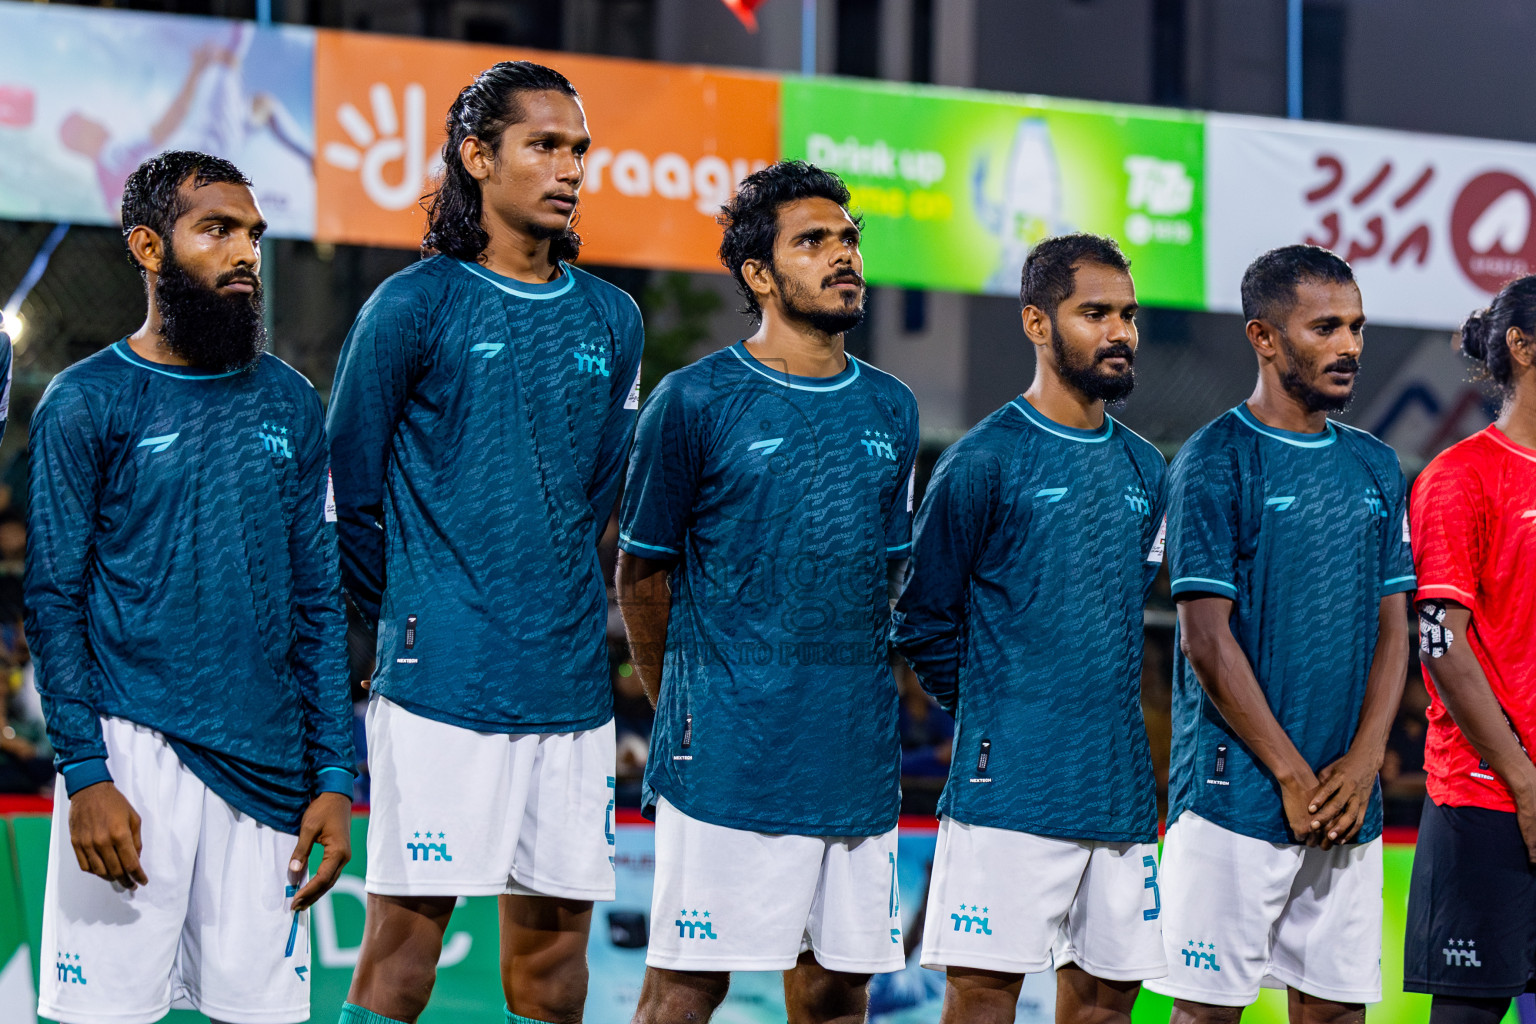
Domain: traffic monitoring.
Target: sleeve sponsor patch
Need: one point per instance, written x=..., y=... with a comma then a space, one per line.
x=330, y=498
x=1405, y=528
x=633, y=401
x=1155, y=556
x=911, y=487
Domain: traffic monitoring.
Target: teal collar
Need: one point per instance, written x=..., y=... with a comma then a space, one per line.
x=128, y=355
x=1290, y=437
x=522, y=289
x=1050, y=426
x=847, y=375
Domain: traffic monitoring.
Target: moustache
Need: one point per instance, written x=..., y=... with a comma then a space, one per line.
x=847, y=277
x=1116, y=352
x=239, y=277
x=1348, y=364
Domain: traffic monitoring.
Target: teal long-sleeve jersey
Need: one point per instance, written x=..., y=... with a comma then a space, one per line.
x=181, y=574
x=478, y=429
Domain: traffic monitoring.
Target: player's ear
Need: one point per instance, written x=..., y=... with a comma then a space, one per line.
x=1262, y=337
x=478, y=158
x=1522, y=347
x=759, y=278
x=1037, y=326
x=147, y=247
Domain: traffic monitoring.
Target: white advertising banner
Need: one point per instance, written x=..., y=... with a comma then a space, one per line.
x=1432, y=225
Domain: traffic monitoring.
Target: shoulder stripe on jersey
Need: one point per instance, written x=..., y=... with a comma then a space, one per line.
x=625, y=538
x=554, y=292
x=1498, y=438
x=144, y=364
x=1069, y=433
x=1202, y=579
x=755, y=367
x=1289, y=437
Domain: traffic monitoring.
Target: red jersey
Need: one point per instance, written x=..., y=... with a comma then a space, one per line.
x=1473, y=512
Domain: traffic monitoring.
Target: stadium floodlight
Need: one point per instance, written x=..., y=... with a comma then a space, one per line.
x=12, y=324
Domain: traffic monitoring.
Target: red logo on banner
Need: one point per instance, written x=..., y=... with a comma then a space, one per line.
x=1493, y=229
x=16, y=106
x=1384, y=234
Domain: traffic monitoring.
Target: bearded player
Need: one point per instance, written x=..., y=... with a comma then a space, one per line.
x=1289, y=556
x=1048, y=499
x=183, y=604
x=482, y=410
x=1471, y=937
x=768, y=495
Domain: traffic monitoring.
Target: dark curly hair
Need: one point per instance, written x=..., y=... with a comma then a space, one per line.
x=1050, y=269
x=751, y=216
x=1485, y=335
x=1269, y=283
x=152, y=195
x=485, y=108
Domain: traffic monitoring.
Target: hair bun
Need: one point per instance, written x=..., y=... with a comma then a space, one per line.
x=1474, y=335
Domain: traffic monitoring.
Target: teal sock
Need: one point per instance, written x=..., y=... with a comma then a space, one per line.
x=351, y=1014
x=513, y=1018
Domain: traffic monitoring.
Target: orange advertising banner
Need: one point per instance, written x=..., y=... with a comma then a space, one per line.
x=669, y=144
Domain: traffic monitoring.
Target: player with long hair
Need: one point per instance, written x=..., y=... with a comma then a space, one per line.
x=1471, y=936
x=482, y=410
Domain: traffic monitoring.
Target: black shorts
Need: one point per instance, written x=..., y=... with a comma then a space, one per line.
x=1471, y=907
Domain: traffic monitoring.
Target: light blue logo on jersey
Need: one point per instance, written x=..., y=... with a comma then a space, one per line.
x=972, y=921
x=70, y=973
x=767, y=446
x=427, y=850
x=156, y=445
x=879, y=444
x=592, y=359
x=274, y=439
x=1137, y=499
x=1461, y=953
x=490, y=348
x=1374, y=502
x=1050, y=495
x=1281, y=503
x=1195, y=955
x=690, y=927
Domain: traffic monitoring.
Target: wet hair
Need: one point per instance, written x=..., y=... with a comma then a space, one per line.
x=1269, y=283
x=1485, y=334
x=1050, y=269
x=152, y=195
x=751, y=216
x=485, y=108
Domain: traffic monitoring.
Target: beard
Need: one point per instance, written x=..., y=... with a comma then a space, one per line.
x=1299, y=387
x=209, y=330
x=797, y=304
x=1088, y=379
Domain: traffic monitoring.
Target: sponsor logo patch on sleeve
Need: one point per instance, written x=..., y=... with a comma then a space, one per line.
x=330, y=498
x=1155, y=556
x=633, y=401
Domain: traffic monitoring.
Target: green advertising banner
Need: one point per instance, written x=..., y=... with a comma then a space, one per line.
x=957, y=185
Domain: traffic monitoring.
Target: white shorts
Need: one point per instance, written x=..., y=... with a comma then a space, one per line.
x=211, y=931
x=730, y=900
x=1240, y=914
x=1021, y=903
x=462, y=813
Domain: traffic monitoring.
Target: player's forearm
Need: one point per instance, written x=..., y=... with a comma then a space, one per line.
x=1228, y=679
x=1464, y=690
x=1384, y=684
x=645, y=604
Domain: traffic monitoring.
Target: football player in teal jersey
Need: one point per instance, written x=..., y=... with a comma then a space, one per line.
x=767, y=499
x=482, y=410
x=1291, y=565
